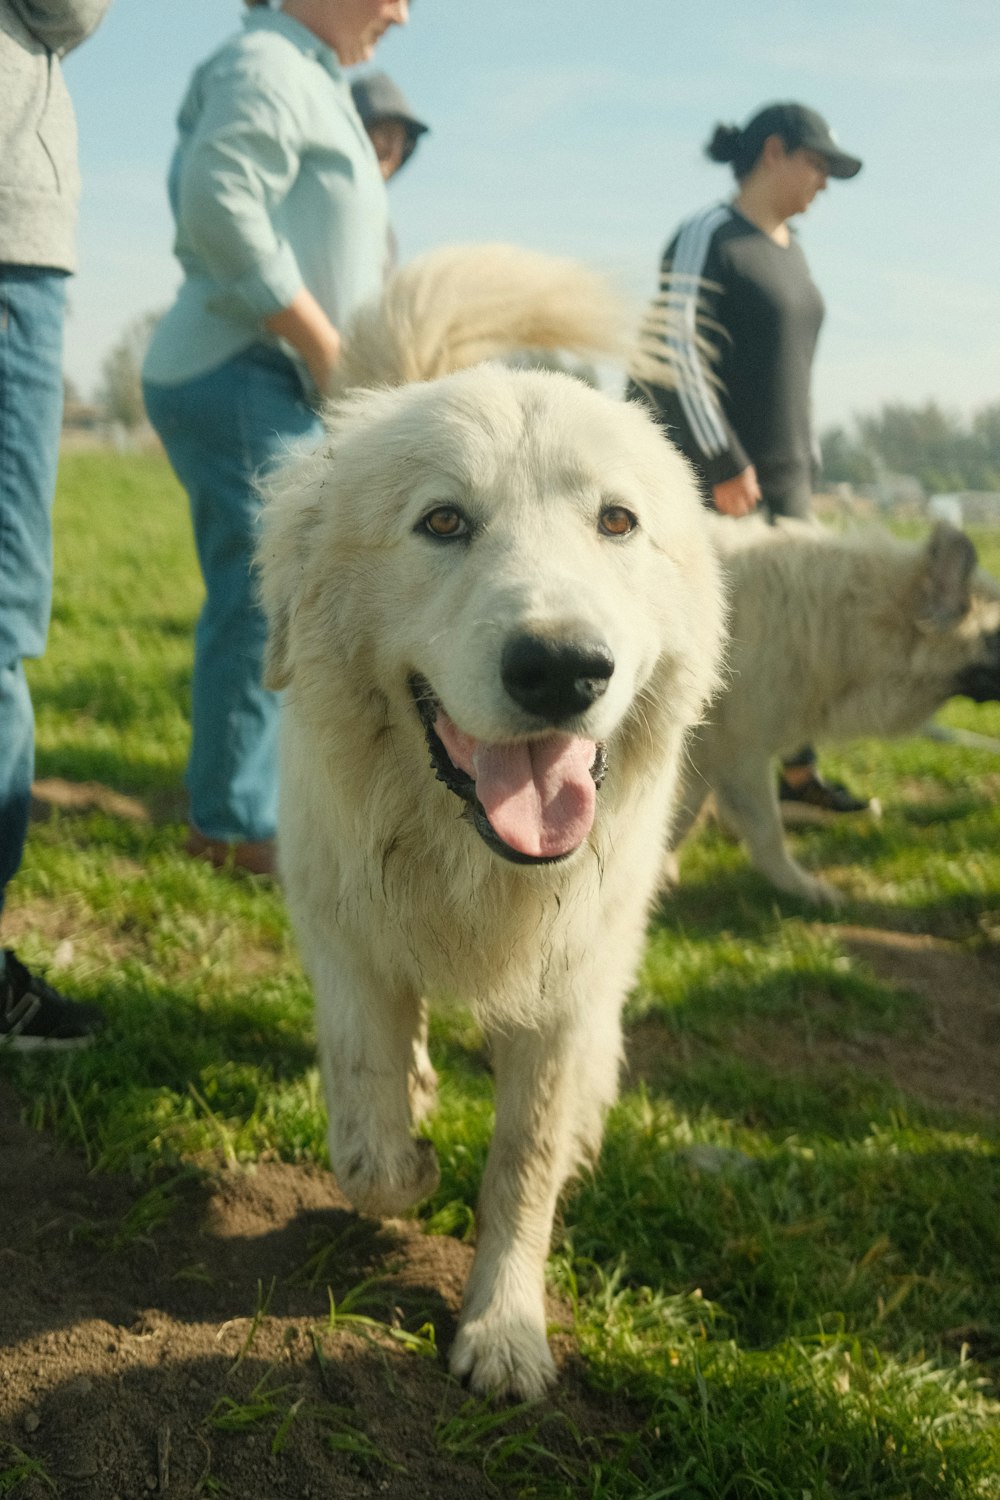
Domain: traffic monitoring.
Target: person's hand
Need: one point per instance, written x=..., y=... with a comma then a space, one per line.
x=305, y=326
x=322, y=360
x=737, y=496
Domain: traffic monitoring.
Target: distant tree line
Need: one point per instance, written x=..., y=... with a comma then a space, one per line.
x=120, y=388
x=943, y=452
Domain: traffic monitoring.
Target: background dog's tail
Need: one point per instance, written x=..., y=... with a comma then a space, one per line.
x=460, y=305
x=676, y=336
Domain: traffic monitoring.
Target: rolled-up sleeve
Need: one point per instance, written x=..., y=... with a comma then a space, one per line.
x=239, y=166
x=60, y=25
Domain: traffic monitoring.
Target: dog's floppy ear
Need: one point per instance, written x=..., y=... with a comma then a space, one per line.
x=949, y=563
x=281, y=564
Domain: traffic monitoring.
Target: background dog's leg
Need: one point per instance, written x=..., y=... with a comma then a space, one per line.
x=747, y=799
x=694, y=790
x=423, y=1079
x=372, y=1045
x=552, y=1090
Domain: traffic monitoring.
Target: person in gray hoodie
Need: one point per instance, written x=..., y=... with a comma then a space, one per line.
x=39, y=188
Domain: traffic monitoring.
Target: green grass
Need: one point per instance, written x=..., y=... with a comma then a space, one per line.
x=18, y=1468
x=774, y=1261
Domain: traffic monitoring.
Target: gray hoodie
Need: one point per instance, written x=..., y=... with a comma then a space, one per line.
x=39, y=177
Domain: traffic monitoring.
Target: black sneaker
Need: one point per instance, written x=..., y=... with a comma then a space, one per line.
x=34, y=1016
x=818, y=799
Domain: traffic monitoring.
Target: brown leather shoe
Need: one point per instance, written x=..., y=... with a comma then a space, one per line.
x=253, y=857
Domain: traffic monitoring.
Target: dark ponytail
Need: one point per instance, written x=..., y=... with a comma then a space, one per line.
x=740, y=148
x=725, y=143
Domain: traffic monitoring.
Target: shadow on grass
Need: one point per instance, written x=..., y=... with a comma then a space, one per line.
x=720, y=893
x=71, y=616
x=173, y=1030
x=802, y=1205
x=105, y=697
x=952, y=809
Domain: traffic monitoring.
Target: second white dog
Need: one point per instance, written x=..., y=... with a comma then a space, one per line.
x=834, y=637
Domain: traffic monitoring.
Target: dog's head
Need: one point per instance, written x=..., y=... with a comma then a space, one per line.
x=508, y=566
x=958, y=616
x=960, y=606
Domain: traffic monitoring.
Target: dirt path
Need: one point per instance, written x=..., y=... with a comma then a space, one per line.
x=118, y=1360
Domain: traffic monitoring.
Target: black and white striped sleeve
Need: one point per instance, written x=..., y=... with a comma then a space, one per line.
x=687, y=320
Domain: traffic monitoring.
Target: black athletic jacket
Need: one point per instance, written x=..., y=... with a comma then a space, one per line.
x=742, y=319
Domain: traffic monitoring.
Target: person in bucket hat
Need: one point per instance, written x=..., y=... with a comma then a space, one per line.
x=393, y=127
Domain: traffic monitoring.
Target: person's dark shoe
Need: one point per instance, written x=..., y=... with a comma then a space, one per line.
x=35, y=1017
x=817, y=800
x=253, y=857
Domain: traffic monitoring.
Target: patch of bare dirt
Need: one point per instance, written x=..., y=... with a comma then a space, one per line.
x=957, y=1063
x=129, y=1359
x=954, y=1063
x=50, y=794
x=85, y=796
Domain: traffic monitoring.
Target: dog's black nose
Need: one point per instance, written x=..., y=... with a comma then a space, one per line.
x=555, y=679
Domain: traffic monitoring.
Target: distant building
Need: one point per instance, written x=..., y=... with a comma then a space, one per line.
x=895, y=492
x=976, y=507
x=946, y=508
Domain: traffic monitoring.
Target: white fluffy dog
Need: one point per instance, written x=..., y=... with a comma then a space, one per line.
x=833, y=638
x=496, y=612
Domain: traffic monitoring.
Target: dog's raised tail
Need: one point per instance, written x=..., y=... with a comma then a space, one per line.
x=457, y=306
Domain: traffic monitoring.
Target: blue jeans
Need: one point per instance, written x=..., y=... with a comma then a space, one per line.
x=32, y=308
x=222, y=431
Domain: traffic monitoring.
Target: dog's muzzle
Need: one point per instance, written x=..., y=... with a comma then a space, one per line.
x=981, y=680
x=463, y=785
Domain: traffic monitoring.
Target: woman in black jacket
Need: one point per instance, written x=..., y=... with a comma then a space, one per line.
x=739, y=316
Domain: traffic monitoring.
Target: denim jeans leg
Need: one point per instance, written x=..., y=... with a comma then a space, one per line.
x=32, y=307
x=222, y=431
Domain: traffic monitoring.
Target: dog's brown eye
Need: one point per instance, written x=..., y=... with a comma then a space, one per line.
x=445, y=523
x=617, y=521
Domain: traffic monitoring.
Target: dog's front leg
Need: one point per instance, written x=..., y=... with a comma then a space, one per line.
x=552, y=1088
x=371, y=1038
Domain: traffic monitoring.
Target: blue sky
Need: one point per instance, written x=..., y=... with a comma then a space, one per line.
x=577, y=127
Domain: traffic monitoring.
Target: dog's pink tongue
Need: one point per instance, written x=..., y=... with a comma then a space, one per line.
x=539, y=795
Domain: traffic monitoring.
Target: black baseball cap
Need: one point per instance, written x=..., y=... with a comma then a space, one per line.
x=801, y=129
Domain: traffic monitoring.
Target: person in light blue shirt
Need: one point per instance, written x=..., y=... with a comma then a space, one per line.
x=282, y=219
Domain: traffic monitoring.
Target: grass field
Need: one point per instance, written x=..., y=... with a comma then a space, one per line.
x=788, y=1260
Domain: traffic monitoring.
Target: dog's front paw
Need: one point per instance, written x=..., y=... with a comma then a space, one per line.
x=818, y=892
x=503, y=1358
x=384, y=1185
x=795, y=881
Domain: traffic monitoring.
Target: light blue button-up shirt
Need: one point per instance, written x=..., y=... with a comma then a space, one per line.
x=274, y=186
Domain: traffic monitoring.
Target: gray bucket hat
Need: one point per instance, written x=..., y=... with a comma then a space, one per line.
x=377, y=98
